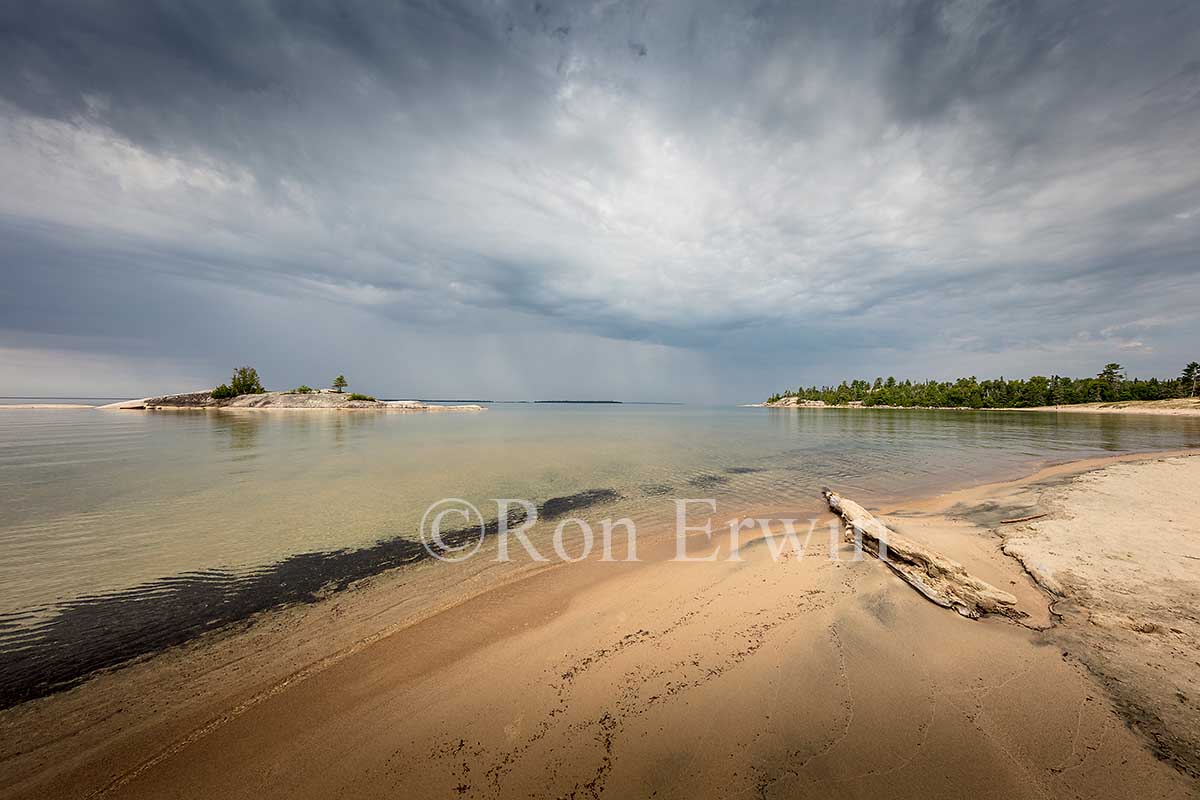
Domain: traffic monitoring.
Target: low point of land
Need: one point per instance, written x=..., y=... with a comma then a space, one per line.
x=1180, y=406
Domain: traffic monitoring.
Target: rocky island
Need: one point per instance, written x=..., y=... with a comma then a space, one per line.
x=245, y=390
x=323, y=399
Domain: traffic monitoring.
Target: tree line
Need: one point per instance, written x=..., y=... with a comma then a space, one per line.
x=1109, y=385
x=245, y=380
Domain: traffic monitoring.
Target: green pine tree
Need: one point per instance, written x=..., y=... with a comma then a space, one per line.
x=1191, y=377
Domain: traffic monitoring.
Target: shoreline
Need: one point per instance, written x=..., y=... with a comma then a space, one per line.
x=1181, y=407
x=566, y=632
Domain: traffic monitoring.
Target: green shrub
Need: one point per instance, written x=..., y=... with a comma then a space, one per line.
x=302, y=390
x=245, y=381
x=223, y=392
x=357, y=396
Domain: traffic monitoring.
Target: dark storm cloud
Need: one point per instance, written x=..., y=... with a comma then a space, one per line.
x=984, y=51
x=866, y=181
x=286, y=91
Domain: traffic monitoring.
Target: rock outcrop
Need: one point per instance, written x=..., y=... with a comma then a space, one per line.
x=792, y=402
x=280, y=400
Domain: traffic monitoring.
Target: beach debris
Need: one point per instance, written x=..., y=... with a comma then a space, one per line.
x=1022, y=519
x=942, y=580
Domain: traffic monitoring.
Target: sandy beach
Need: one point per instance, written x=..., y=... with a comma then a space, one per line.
x=1179, y=407
x=43, y=406
x=805, y=675
x=573, y=400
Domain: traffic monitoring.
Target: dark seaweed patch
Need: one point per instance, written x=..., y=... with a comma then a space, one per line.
x=708, y=481
x=557, y=506
x=656, y=489
x=100, y=632
x=742, y=470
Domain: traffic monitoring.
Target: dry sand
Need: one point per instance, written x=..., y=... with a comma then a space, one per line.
x=1179, y=407
x=1121, y=547
x=759, y=678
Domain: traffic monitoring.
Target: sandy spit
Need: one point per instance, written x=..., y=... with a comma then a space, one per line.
x=762, y=677
x=1180, y=407
x=42, y=406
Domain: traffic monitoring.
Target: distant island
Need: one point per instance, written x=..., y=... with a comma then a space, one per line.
x=1110, y=386
x=586, y=402
x=245, y=391
x=583, y=402
x=455, y=402
x=323, y=399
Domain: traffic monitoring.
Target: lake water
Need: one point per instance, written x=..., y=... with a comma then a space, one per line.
x=124, y=532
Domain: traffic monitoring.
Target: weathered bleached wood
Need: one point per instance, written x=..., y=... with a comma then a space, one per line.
x=942, y=580
x=1021, y=519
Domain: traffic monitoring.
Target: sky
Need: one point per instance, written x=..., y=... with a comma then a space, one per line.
x=674, y=201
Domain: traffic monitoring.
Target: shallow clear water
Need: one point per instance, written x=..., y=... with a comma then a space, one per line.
x=171, y=515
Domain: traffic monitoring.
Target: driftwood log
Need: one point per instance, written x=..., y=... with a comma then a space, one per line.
x=1022, y=519
x=942, y=580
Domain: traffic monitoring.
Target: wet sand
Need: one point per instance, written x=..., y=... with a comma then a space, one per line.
x=752, y=678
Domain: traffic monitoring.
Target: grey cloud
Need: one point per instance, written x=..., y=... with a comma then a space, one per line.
x=947, y=52
x=733, y=182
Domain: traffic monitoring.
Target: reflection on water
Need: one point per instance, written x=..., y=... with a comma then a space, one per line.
x=232, y=512
x=240, y=429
